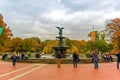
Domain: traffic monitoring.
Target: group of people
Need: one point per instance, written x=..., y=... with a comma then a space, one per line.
x=75, y=57
x=107, y=57
x=15, y=57
x=95, y=59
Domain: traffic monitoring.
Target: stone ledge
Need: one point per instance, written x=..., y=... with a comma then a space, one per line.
x=53, y=61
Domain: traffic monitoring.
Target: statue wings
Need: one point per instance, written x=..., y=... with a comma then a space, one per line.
x=60, y=28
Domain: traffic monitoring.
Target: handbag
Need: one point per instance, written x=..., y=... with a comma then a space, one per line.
x=78, y=59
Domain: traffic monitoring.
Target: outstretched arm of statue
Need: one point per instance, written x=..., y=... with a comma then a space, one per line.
x=58, y=28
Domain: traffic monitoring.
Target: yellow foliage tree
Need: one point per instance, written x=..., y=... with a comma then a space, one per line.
x=74, y=49
x=48, y=47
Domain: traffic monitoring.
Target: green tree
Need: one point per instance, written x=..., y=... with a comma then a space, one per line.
x=102, y=46
x=29, y=44
x=100, y=43
x=26, y=44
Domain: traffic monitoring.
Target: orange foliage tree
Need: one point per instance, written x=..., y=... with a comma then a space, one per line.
x=113, y=30
x=5, y=36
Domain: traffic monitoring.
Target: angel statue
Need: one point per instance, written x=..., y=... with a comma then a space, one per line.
x=60, y=30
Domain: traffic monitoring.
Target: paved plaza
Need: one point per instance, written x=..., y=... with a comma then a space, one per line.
x=27, y=71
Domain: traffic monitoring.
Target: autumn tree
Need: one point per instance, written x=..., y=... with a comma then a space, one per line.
x=74, y=49
x=43, y=44
x=48, y=48
x=80, y=44
x=16, y=44
x=113, y=30
x=30, y=44
x=37, y=43
x=5, y=36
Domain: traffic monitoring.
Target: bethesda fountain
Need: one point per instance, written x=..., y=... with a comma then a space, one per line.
x=60, y=48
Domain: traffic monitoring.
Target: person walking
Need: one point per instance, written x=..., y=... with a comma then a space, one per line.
x=118, y=59
x=58, y=56
x=14, y=59
x=75, y=59
x=95, y=59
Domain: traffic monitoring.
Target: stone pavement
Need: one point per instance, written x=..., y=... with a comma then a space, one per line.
x=26, y=71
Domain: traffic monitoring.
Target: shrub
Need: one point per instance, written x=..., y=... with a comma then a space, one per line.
x=88, y=55
x=29, y=54
x=0, y=53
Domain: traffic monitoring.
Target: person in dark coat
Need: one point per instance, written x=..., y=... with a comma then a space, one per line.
x=58, y=56
x=22, y=56
x=14, y=59
x=75, y=59
x=118, y=59
x=4, y=56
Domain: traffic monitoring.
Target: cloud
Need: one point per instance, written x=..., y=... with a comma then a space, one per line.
x=29, y=18
x=88, y=5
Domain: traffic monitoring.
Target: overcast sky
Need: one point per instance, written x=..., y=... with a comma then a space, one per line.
x=38, y=18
